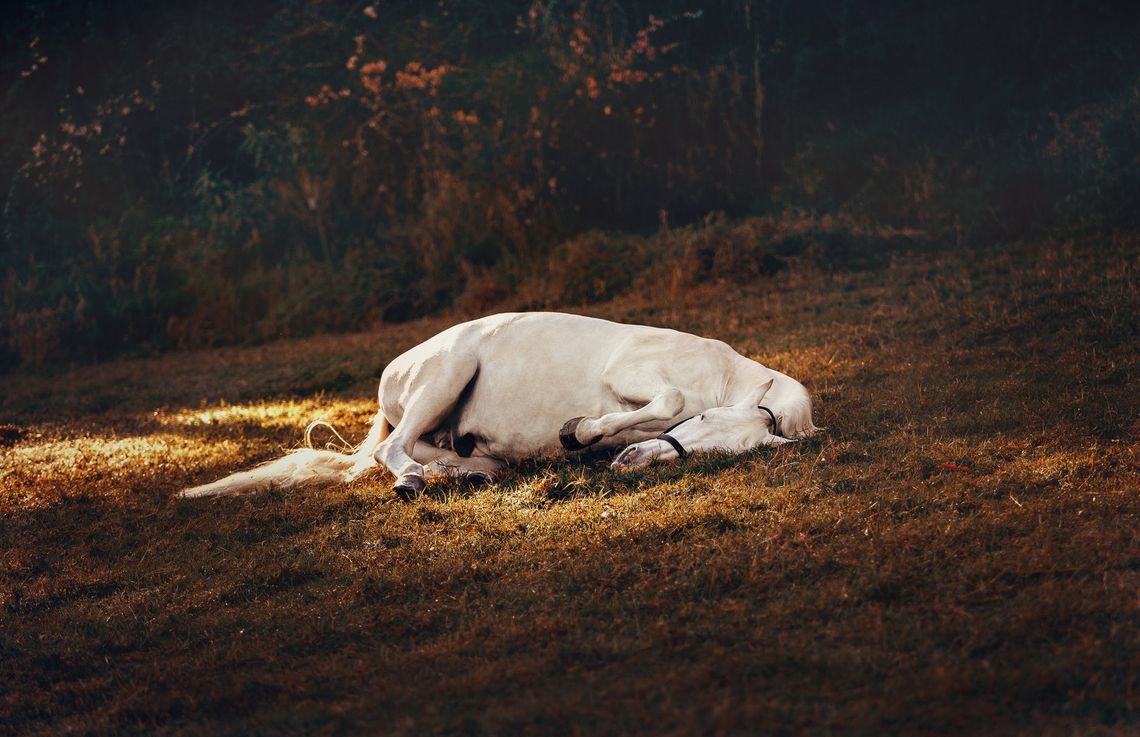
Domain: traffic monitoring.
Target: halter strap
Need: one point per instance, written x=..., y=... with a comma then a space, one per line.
x=775, y=427
x=674, y=442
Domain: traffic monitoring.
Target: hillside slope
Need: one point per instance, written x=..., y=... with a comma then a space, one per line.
x=958, y=553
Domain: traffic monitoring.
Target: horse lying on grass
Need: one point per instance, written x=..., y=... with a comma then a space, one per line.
x=509, y=387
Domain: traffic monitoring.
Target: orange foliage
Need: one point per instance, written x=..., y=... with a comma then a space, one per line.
x=416, y=76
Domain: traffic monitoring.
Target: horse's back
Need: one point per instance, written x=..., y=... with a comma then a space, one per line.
x=569, y=357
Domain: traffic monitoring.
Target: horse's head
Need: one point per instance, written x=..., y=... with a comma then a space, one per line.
x=764, y=418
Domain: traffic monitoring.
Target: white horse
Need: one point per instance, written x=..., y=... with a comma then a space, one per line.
x=513, y=386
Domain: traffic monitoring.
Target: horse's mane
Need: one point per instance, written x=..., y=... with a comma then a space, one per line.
x=793, y=411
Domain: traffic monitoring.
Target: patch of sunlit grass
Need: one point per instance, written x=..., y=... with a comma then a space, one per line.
x=169, y=444
x=270, y=414
x=38, y=473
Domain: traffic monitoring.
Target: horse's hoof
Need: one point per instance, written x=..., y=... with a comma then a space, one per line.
x=569, y=439
x=408, y=487
x=479, y=478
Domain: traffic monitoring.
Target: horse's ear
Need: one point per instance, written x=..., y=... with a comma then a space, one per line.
x=761, y=391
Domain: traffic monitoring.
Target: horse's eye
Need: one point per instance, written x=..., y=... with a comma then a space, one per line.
x=701, y=418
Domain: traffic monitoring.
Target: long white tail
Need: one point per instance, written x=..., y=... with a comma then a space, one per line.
x=299, y=466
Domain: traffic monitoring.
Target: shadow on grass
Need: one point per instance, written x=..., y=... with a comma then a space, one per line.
x=589, y=475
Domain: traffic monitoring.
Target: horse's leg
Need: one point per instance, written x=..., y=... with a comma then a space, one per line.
x=426, y=401
x=443, y=463
x=660, y=402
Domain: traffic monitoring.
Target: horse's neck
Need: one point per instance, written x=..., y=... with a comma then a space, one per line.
x=747, y=377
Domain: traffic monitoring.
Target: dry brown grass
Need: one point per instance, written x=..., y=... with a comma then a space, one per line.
x=958, y=554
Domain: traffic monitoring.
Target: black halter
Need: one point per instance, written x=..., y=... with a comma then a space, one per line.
x=681, y=449
x=672, y=440
x=775, y=426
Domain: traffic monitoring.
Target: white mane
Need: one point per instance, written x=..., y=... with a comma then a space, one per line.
x=792, y=408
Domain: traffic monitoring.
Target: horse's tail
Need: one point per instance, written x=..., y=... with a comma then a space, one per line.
x=300, y=466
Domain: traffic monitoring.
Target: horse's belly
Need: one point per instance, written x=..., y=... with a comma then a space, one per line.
x=516, y=421
x=521, y=419
x=516, y=447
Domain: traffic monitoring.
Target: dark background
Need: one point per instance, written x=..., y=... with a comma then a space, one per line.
x=188, y=174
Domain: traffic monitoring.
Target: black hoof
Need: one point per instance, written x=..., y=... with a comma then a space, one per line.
x=408, y=488
x=569, y=440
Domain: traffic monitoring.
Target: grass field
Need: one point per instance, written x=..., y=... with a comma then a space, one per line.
x=958, y=554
